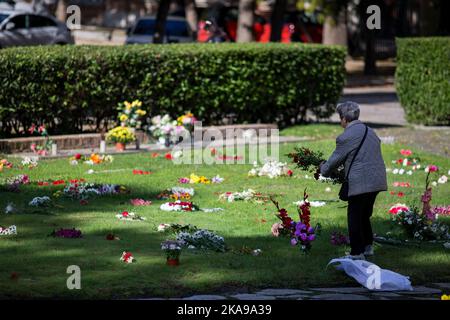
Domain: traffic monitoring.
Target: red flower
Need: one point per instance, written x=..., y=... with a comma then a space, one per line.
x=168, y=156
x=58, y=182
x=83, y=202
x=125, y=214
x=400, y=194
x=290, y=173
x=406, y=152
x=42, y=183
x=213, y=151
x=155, y=155
x=78, y=156
x=392, y=193
x=283, y=213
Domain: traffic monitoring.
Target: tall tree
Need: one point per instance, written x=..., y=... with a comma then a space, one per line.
x=277, y=20
x=246, y=19
x=161, y=18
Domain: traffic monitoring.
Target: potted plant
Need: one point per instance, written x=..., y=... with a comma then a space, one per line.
x=172, y=249
x=131, y=115
x=120, y=136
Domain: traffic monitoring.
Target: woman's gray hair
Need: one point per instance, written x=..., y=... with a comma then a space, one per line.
x=348, y=110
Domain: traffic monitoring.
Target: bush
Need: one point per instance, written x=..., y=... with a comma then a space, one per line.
x=68, y=86
x=423, y=79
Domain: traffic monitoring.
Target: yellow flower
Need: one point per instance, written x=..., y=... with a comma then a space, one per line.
x=137, y=103
x=194, y=178
x=445, y=297
x=128, y=105
x=141, y=112
x=123, y=117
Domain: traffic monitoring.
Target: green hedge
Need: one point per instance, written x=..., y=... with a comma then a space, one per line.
x=68, y=86
x=423, y=79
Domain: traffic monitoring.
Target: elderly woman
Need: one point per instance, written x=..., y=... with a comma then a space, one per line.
x=358, y=148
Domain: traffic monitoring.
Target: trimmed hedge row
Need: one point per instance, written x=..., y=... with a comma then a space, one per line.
x=67, y=86
x=423, y=79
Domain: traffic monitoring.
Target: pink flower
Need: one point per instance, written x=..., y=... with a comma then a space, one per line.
x=398, y=208
x=406, y=152
x=183, y=180
x=431, y=168
x=140, y=202
x=276, y=229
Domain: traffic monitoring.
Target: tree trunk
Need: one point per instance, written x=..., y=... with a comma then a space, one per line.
x=191, y=17
x=161, y=18
x=245, y=21
x=335, y=30
x=277, y=20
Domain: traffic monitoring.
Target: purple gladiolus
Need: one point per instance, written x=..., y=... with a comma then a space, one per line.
x=294, y=241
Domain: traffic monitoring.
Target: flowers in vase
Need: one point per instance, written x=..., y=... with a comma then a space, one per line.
x=131, y=113
x=129, y=216
x=172, y=249
x=166, y=130
x=127, y=257
x=271, y=169
x=120, y=135
x=187, y=121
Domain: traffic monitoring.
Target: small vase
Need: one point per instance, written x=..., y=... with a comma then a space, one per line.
x=173, y=262
x=120, y=146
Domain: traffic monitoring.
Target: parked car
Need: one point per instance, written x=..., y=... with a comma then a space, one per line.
x=177, y=30
x=31, y=29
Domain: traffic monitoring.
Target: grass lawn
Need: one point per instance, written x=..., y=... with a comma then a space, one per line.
x=41, y=261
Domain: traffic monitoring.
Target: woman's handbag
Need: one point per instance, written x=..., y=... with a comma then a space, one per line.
x=343, y=193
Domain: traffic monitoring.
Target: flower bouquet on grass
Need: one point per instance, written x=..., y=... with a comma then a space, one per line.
x=78, y=189
x=202, y=239
x=67, y=233
x=172, y=249
x=176, y=193
x=129, y=216
x=176, y=228
x=309, y=160
x=246, y=195
x=8, y=231
x=127, y=257
x=271, y=169
x=424, y=225
x=13, y=183
x=179, y=206
x=301, y=233
x=40, y=202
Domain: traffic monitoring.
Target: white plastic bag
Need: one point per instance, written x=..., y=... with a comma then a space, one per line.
x=372, y=276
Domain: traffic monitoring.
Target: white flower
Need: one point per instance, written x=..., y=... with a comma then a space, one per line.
x=10, y=208
x=312, y=203
x=443, y=179
x=434, y=183
x=90, y=171
x=409, y=172
x=89, y=162
x=163, y=226
x=30, y=161
x=74, y=162
x=177, y=154
x=395, y=171
x=217, y=179
x=256, y=252
x=327, y=189
x=401, y=171
x=405, y=162
x=270, y=168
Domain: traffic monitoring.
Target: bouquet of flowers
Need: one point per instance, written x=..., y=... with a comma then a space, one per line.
x=246, y=195
x=172, y=249
x=40, y=202
x=177, y=193
x=140, y=202
x=166, y=130
x=271, y=169
x=42, y=131
x=94, y=158
x=129, y=216
x=120, y=135
x=193, y=179
x=5, y=164
x=309, y=160
x=179, y=206
x=301, y=232
x=127, y=257
x=8, y=231
x=202, y=239
x=67, y=233
x=82, y=190
x=130, y=114
x=13, y=184
x=187, y=121
x=30, y=162
x=407, y=165
x=176, y=228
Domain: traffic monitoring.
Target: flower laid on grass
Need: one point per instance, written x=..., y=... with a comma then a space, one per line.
x=10, y=208
x=172, y=249
x=176, y=193
x=8, y=231
x=140, y=202
x=176, y=228
x=5, y=164
x=398, y=207
x=67, y=233
x=246, y=195
x=40, y=202
x=301, y=233
x=93, y=159
x=202, y=239
x=193, y=179
x=271, y=169
x=401, y=184
x=311, y=203
x=440, y=210
x=179, y=206
x=127, y=257
x=81, y=190
x=129, y=216
x=339, y=239
x=141, y=172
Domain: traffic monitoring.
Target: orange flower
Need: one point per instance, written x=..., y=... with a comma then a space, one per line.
x=95, y=158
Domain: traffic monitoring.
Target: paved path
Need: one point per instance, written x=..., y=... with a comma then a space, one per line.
x=433, y=291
